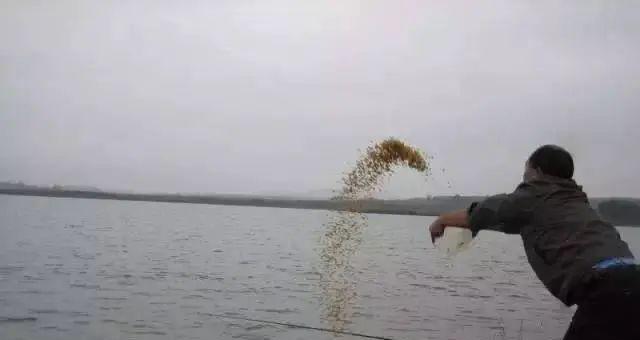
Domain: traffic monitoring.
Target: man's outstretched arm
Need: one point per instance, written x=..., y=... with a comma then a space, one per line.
x=505, y=212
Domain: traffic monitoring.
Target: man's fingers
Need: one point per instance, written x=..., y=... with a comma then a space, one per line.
x=436, y=230
x=435, y=235
x=432, y=233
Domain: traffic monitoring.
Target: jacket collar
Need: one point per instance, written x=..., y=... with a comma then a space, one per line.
x=562, y=182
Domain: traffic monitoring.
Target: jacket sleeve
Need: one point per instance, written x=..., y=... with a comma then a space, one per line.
x=505, y=212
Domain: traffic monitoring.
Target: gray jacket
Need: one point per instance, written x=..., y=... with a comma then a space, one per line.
x=563, y=236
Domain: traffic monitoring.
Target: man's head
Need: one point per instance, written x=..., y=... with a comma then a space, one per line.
x=550, y=160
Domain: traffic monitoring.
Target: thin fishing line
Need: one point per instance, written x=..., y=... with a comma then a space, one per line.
x=301, y=326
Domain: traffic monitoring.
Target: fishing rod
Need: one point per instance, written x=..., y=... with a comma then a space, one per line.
x=300, y=326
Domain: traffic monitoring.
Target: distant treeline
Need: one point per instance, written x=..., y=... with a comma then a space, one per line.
x=620, y=212
x=614, y=210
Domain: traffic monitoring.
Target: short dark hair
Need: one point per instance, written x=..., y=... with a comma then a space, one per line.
x=552, y=160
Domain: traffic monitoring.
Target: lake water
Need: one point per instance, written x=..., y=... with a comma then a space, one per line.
x=95, y=269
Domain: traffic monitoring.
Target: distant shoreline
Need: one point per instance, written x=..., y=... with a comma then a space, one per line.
x=619, y=211
x=365, y=206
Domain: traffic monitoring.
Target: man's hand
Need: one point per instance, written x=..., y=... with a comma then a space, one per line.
x=436, y=229
x=458, y=218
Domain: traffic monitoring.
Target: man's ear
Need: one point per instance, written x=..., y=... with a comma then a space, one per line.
x=537, y=173
x=532, y=173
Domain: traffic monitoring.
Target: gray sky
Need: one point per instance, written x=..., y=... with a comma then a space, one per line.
x=277, y=96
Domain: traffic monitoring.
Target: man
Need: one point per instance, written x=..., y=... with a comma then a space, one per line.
x=579, y=258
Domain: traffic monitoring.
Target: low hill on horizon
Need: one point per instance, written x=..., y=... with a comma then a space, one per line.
x=619, y=211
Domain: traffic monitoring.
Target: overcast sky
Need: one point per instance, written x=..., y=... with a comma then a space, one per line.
x=278, y=96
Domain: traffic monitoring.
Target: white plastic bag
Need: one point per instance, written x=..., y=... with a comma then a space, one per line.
x=454, y=240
